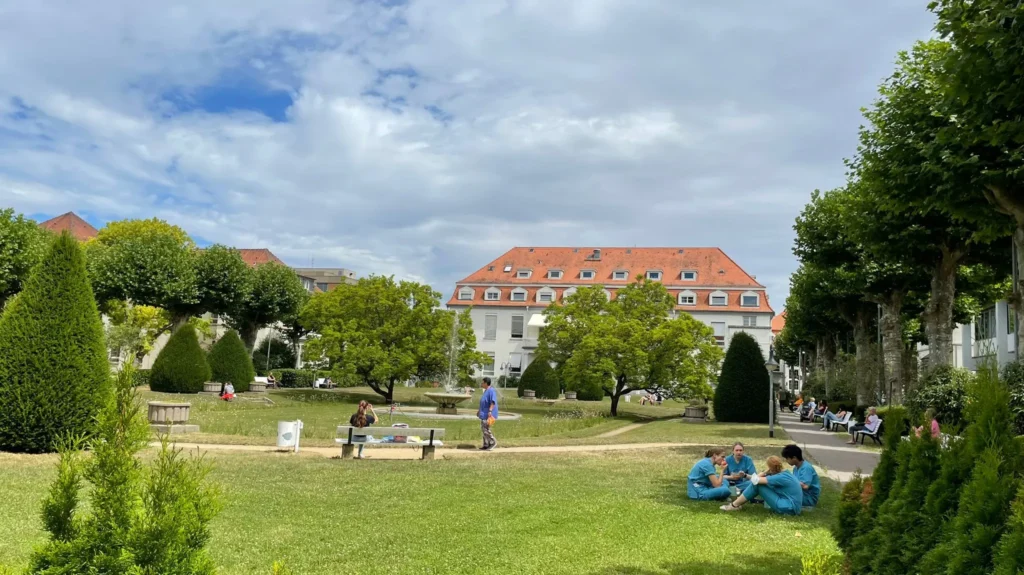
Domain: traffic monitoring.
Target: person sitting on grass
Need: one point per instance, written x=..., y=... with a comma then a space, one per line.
x=739, y=468
x=830, y=418
x=804, y=473
x=870, y=425
x=780, y=491
x=363, y=417
x=229, y=392
x=704, y=483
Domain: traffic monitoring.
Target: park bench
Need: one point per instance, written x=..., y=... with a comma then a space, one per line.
x=844, y=421
x=351, y=436
x=874, y=435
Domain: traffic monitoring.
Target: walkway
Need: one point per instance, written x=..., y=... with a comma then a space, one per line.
x=829, y=450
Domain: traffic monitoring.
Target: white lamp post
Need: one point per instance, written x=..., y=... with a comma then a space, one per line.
x=772, y=366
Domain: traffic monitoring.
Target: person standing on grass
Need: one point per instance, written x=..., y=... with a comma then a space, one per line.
x=488, y=414
x=805, y=474
x=704, y=482
x=739, y=468
x=780, y=491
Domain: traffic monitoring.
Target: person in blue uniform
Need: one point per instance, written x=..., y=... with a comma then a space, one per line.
x=780, y=490
x=704, y=482
x=805, y=474
x=739, y=468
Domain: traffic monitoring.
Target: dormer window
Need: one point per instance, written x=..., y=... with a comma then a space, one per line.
x=466, y=294
x=554, y=274
x=545, y=295
x=689, y=276
x=654, y=275
x=620, y=275
x=492, y=294
x=687, y=298
x=749, y=300
x=587, y=274
x=568, y=293
x=718, y=298
x=519, y=294
x=524, y=274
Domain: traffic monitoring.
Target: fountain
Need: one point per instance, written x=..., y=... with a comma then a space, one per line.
x=447, y=401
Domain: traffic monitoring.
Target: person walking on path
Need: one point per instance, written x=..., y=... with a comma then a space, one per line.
x=488, y=414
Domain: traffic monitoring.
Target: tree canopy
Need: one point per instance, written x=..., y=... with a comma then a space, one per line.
x=22, y=244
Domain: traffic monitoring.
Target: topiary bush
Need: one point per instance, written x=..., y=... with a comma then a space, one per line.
x=140, y=377
x=945, y=390
x=54, y=373
x=181, y=366
x=1013, y=376
x=540, y=377
x=743, y=385
x=587, y=390
x=230, y=362
x=294, y=378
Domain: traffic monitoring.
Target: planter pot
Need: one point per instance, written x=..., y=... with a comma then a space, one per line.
x=695, y=414
x=529, y=394
x=170, y=417
x=211, y=387
x=257, y=387
x=570, y=395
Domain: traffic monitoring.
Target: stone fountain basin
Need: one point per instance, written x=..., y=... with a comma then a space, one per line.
x=448, y=399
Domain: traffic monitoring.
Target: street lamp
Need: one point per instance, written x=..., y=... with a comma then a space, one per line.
x=772, y=366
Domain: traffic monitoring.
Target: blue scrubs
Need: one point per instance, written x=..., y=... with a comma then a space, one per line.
x=698, y=485
x=744, y=464
x=806, y=474
x=782, y=494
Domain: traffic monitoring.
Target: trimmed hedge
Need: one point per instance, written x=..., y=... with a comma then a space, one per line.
x=540, y=377
x=181, y=366
x=743, y=385
x=230, y=362
x=293, y=378
x=589, y=390
x=54, y=374
x=140, y=377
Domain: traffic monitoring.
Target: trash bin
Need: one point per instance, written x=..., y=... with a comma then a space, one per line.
x=288, y=433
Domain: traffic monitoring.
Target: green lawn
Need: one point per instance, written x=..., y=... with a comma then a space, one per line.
x=571, y=513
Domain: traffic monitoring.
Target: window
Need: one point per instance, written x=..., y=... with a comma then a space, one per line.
x=492, y=294
x=568, y=293
x=546, y=296
x=620, y=275
x=524, y=274
x=719, y=327
x=689, y=276
x=719, y=300
x=491, y=326
x=750, y=321
x=654, y=276
x=464, y=294
x=985, y=325
x=555, y=274
x=748, y=300
x=517, y=327
x=518, y=295
x=507, y=269
x=687, y=299
x=587, y=275
x=488, y=368
x=515, y=363
x=322, y=286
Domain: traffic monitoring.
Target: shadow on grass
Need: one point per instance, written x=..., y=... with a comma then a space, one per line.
x=729, y=564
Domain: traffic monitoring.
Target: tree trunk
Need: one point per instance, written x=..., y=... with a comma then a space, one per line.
x=938, y=312
x=178, y=320
x=248, y=333
x=1016, y=300
x=620, y=388
x=828, y=363
x=1011, y=203
x=910, y=367
x=892, y=346
x=862, y=341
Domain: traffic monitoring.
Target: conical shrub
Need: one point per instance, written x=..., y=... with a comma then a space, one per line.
x=1010, y=553
x=230, y=362
x=54, y=374
x=743, y=385
x=181, y=366
x=540, y=377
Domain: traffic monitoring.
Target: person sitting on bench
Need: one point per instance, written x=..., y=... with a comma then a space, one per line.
x=780, y=490
x=704, y=483
x=831, y=417
x=804, y=473
x=739, y=468
x=271, y=380
x=363, y=417
x=870, y=425
x=808, y=411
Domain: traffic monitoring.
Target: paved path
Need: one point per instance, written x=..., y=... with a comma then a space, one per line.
x=828, y=450
x=623, y=429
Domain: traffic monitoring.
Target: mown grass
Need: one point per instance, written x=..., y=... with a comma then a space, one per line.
x=571, y=513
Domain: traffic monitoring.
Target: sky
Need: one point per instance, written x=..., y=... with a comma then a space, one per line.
x=423, y=139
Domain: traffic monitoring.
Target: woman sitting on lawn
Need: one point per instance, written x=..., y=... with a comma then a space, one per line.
x=704, y=482
x=229, y=392
x=781, y=491
x=739, y=468
x=362, y=419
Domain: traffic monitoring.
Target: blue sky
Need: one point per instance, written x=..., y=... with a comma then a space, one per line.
x=423, y=139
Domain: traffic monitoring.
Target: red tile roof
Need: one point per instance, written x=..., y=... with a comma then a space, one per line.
x=255, y=257
x=70, y=222
x=715, y=271
x=779, y=322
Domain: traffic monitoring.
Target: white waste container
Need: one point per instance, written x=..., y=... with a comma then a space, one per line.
x=288, y=433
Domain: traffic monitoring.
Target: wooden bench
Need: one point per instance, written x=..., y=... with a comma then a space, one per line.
x=353, y=436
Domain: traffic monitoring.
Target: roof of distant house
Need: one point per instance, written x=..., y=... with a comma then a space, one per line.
x=779, y=322
x=70, y=222
x=255, y=257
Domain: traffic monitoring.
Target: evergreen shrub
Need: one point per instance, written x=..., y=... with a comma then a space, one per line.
x=540, y=377
x=181, y=366
x=230, y=362
x=743, y=385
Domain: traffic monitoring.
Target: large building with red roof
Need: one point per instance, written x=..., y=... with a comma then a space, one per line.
x=508, y=295
x=70, y=222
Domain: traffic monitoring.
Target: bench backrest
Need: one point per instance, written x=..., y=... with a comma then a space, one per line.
x=381, y=431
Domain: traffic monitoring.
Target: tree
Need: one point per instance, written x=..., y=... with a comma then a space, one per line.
x=273, y=292
x=293, y=329
x=22, y=244
x=541, y=378
x=230, y=362
x=1010, y=552
x=630, y=343
x=377, y=330
x=222, y=278
x=743, y=386
x=450, y=353
x=279, y=356
x=133, y=329
x=53, y=365
x=181, y=366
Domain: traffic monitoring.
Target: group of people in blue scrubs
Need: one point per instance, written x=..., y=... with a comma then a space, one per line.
x=782, y=492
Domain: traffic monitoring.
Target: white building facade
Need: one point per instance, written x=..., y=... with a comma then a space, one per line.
x=989, y=339
x=508, y=296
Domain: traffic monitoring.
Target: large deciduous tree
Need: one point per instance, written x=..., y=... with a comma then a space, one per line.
x=631, y=343
x=272, y=292
x=22, y=243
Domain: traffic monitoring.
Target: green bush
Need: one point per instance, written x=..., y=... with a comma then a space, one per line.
x=230, y=362
x=540, y=377
x=54, y=374
x=821, y=563
x=850, y=505
x=889, y=478
x=943, y=389
x=1013, y=375
x=743, y=385
x=282, y=356
x=897, y=420
x=140, y=377
x=587, y=390
x=1010, y=552
x=294, y=378
x=142, y=517
x=181, y=366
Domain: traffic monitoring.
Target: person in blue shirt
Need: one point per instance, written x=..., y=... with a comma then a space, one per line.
x=805, y=474
x=704, y=482
x=780, y=490
x=739, y=468
x=488, y=414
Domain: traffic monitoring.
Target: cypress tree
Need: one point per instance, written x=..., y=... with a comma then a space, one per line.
x=181, y=366
x=230, y=362
x=743, y=385
x=1010, y=553
x=849, y=508
x=54, y=373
